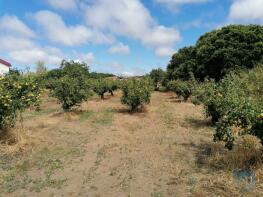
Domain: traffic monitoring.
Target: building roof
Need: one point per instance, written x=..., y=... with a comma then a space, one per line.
x=5, y=63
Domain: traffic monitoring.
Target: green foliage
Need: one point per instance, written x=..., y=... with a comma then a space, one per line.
x=136, y=93
x=100, y=87
x=234, y=104
x=70, y=92
x=17, y=93
x=218, y=52
x=181, y=88
x=157, y=75
x=69, y=84
x=95, y=75
x=182, y=64
x=67, y=68
x=257, y=128
x=112, y=85
x=103, y=85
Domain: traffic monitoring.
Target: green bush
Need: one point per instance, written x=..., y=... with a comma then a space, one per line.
x=157, y=75
x=70, y=92
x=181, y=88
x=17, y=93
x=257, y=128
x=72, y=69
x=234, y=104
x=136, y=93
x=100, y=87
x=112, y=85
x=207, y=93
x=103, y=85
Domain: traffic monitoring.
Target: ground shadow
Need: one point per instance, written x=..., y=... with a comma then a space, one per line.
x=123, y=110
x=175, y=99
x=206, y=154
x=198, y=123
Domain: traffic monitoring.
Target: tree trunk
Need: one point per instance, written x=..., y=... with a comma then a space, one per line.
x=111, y=92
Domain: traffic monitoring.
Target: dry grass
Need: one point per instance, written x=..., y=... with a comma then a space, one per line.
x=103, y=150
x=15, y=141
x=247, y=154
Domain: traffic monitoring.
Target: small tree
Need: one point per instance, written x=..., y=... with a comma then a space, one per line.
x=17, y=93
x=70, y=92
x=112, y=85
x=136, y=93
x=157, y=75
x=100, y=87
x=181, y=88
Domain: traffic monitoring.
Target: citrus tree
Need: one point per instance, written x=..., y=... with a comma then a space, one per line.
x=17, y=93
x=70, y=92
x=235, y=105
x=136, y=93
x=181, y=88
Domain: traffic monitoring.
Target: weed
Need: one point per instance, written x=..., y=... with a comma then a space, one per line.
x=85, y=115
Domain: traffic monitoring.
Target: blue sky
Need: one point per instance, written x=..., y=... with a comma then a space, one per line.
x=117, y=36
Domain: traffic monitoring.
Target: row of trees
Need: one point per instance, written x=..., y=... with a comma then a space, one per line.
x=216, y=73
x=72, y=84
x=235, y=104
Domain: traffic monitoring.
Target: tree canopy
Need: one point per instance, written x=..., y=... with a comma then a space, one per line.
x=218, y=52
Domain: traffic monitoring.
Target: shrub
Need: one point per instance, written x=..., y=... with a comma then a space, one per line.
x=100, y=87
x=234, y=104
x=17, y=93
x=70, y=92
x=136, y=93
x=257, y=128
x=103, y=85
x=181, y=88
x=72, y=69
x=112, y=86
x=157, y=75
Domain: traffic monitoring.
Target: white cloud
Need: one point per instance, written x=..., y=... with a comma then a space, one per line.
x=12, y=25
x=180, y=1
x=9, y=43
x=131, y=19
x=63, y=4
x=119, y=48
x=58, y=32
x=246, y=10
x=88, y=58
x=26, y=51
x=162, y=52
x=162, y=36
x=33, y=55
x=174, y=5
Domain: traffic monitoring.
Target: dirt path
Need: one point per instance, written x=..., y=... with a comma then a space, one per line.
x=105, y=151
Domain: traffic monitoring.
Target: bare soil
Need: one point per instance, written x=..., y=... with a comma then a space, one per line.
x=102, y=150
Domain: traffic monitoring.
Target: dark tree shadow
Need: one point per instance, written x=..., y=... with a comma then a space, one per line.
x=125, y=110
x=198, y=123
x=206, y=155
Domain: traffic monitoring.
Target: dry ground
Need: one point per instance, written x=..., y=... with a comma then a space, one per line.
x=104, y=151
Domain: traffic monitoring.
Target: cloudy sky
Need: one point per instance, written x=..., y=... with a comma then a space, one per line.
x=117, y=36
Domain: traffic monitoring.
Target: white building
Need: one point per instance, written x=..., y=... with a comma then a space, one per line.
x=4, y=67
